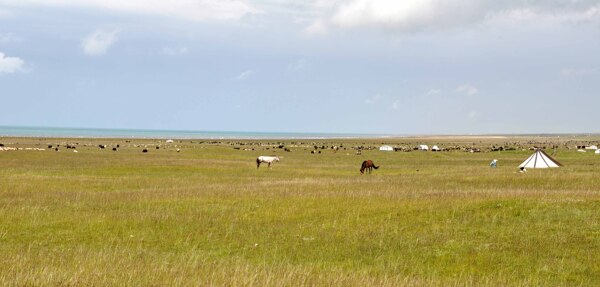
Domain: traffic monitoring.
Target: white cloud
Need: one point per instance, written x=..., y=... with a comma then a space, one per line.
x=244, y=75
x=98, y=42
x=194, y=10
x=467, y=90
x=317, y=28
x=5, y=14
x=372, y=99
x=7, y=38
x=171, y=51
x=577, y=72
x=297, y=65
x=567, y=14
x=418, y=15
x=11, y=65
x=432, y=92
x=404, y=15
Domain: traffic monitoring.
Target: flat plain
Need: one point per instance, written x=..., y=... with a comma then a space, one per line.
x=206, y=216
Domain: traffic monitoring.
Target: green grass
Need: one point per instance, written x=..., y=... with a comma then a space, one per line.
x=207, y=216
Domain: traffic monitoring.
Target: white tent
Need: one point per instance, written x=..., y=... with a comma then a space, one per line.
x=592, y=147
x=597, y=151
x=539, y=159
x=169, y=141
x=386, y=148
x=435, y=148
x=423, y=147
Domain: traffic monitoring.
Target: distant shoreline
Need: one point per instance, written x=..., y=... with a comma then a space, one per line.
x=55, y=132
x=100, y=133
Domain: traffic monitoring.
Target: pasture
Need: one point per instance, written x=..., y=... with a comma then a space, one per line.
x=206, y=216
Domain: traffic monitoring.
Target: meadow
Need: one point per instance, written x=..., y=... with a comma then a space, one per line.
x=206, y=216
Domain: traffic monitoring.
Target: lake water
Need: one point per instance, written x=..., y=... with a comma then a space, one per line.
x=15, y=131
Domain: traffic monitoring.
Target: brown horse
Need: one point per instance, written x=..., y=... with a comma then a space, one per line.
x=367, y=165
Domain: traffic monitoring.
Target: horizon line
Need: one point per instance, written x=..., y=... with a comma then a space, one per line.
x=304, y=134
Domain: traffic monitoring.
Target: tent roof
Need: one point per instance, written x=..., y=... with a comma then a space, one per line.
x=540, y=159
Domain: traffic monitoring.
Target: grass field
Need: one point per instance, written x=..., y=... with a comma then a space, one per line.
x=206, y=216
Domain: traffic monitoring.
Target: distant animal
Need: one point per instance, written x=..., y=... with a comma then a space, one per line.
x=145, y=150
x=367, y=165
x=266, y=159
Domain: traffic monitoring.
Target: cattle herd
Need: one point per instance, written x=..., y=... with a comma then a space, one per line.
x=311, y=147
x=473, y=147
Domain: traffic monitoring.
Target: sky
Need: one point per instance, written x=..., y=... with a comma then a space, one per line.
x=354, y=66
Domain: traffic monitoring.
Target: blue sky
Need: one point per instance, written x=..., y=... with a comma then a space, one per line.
x=354, y=66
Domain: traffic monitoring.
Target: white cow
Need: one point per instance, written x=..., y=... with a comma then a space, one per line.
x=266, y=159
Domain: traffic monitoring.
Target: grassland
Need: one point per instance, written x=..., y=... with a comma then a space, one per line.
x=206, y=216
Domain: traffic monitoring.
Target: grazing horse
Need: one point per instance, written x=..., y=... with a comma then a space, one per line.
x=266, y=159
x=367, y=165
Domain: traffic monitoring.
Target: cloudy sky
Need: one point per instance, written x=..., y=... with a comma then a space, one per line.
x=352, y=66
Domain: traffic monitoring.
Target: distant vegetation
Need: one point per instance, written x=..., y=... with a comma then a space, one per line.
x=199, y=213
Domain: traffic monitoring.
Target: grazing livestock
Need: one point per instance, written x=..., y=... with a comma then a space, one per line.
x=266, y=159
x=3, y=148
x=367, y=165
x=145, y=150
